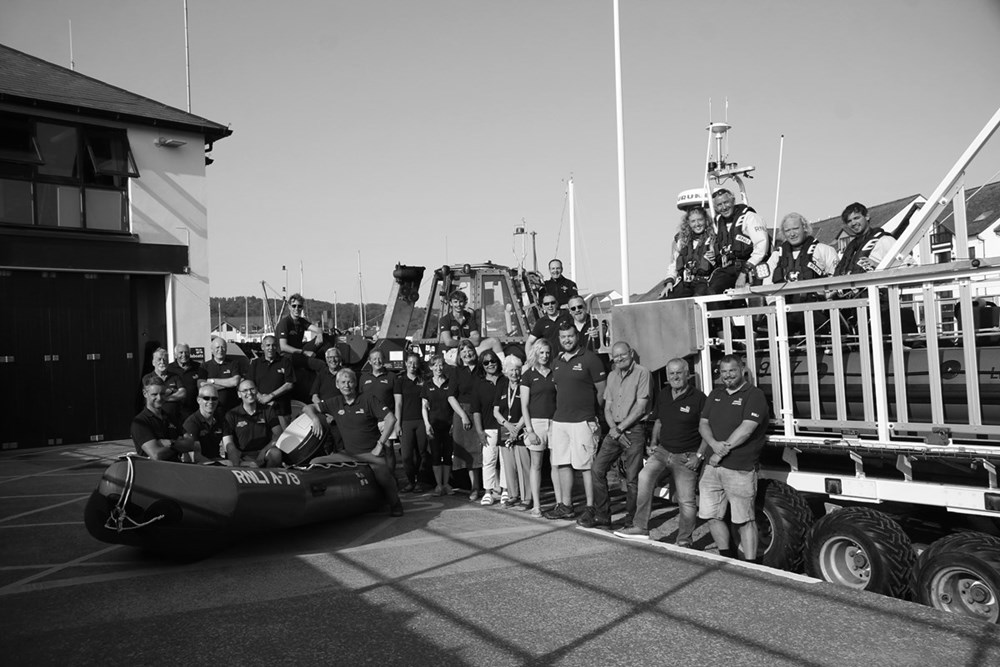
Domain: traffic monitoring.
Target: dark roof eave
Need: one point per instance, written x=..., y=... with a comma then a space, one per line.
x=211, y=131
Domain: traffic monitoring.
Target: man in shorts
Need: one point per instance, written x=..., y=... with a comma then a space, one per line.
x=733, y=424
x=580, y=380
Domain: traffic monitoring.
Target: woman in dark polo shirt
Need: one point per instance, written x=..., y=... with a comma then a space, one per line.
x=538, y=404
x=468, y=454
x=437, y=414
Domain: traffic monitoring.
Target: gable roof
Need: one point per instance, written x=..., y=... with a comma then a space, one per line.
x=827, y=231
x=25, y=79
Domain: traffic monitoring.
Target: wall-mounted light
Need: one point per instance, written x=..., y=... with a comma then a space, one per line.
x=163, y=142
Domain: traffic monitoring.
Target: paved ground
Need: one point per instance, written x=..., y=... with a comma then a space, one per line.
x=450, y=583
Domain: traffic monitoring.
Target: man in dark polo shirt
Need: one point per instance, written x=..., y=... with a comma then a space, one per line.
x=626, y=400
x=250, y=431
x=579, y=378
x=676, y=444
x=365, y=423
x=225, y=373
x=174, y=395
x=733, y=424
x=559, y=286
x=590, y=333
x=325, y=383
x=154, y=434
x=204, y=426
x=291, y=331
x=457, y=323
x=189, y=371
x=546, y=326
x=274, y=376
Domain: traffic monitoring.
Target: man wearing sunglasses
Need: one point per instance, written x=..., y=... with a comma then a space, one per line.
x=291, y=332
x=559, y=286
x=547, y=326
x=588, y=330
x=204, y=426
x=250, y=431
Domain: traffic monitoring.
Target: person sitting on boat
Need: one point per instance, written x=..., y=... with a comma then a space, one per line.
x=741, y=243
x=225, y=373
x=250, y=431
x=154, y=434
x=291, y=331
x=381, y=382
x=693, y=257
x=274, y=376
x=365, y=423
x=174, y=395
x=325, y=386
x=869, y=246
x=205, y=425
x=801, y=257
x=458, y=322
x=559, y=286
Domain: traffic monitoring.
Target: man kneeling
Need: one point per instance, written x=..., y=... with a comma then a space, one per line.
x=357, y=417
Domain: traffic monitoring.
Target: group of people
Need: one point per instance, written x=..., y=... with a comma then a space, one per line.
x=710, y=257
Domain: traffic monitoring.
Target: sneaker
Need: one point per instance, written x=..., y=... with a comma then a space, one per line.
x=560, y=511
x=396, y=510
x=487, y=499
x=633, y=533
x=589, y=519
x=474, y=496
x=504, y=497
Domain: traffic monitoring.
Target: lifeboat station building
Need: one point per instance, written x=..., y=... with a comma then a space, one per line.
x=103, y=248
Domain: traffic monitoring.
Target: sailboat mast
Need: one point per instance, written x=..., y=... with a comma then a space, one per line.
x=622, y=217
x=572, y=230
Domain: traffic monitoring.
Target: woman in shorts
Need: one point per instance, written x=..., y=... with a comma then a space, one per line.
x=538, y=404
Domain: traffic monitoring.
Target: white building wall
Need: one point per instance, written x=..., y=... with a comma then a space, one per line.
x=169, y=206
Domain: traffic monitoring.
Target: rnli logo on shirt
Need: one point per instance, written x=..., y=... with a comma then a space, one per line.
x=577, y=367
x=738, y=401
x=359, y=411
x=227, y=371
x=241, y=423
x=686, y=408
x=341, y=412
x=754, y=414
x=281, y=370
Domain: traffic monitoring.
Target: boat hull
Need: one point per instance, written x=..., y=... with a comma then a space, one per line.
x=191, y=510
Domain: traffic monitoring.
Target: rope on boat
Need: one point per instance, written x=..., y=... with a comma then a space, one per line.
x=118, y=517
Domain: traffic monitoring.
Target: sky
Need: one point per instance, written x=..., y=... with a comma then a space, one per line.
x=423, y=131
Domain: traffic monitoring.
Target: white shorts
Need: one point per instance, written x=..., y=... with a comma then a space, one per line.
x=573, y=443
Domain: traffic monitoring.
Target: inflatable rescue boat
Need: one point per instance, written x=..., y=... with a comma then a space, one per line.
x=188, y=510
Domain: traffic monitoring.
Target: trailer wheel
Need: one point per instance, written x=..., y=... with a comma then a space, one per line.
x=783, y=519
x=960, y=574
x=860, y=548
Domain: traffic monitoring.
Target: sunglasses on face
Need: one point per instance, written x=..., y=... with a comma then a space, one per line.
x=296, y=306
x=575, y=308
x=491, y=362
x=209, y=398
x=549, y=303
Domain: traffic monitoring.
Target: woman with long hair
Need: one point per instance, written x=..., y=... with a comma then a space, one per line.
x=693, y=256
x=409, y=423
x=468, y=451
x=437, y=414
x=538, y=404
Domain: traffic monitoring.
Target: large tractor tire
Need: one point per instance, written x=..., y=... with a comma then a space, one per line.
x=783, y=520
x=960, y=574
x=860, y=548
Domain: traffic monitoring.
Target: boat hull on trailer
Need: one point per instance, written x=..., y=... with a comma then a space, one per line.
x=202, y=509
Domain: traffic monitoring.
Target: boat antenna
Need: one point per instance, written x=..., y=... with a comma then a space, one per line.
x=777, y=191
x=187, y=58
x=72, y=63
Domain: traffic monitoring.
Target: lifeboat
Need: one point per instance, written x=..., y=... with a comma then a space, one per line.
x=186, y=510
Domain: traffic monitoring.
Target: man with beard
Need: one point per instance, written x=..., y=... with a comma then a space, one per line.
x=869, y=246
x=733, y=424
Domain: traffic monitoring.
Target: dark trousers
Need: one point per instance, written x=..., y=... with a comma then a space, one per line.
x=413, y=446
x=607, y=455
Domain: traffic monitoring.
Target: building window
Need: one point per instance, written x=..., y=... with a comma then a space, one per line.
x=64, y=175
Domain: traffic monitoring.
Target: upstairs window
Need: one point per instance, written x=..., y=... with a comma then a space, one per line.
x=64, y=175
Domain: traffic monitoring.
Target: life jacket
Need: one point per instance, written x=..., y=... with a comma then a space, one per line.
x=730, y=241
x=857, y=252
x=691, y=260
x=803, y=267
